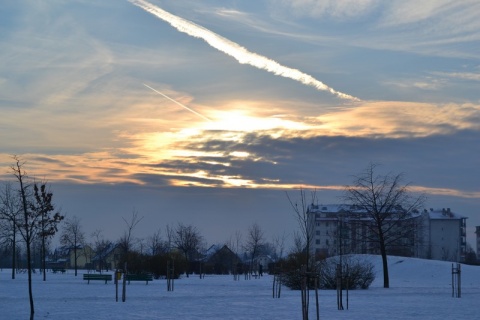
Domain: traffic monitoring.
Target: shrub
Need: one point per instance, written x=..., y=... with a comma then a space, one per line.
x=158, y=265
x=292, y=269
x=357, y=272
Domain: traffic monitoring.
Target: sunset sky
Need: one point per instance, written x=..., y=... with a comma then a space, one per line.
x=207, y=112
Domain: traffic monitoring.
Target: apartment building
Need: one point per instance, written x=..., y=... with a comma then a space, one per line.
x=430, y=234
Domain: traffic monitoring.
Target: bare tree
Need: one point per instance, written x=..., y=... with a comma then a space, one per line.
x=155, y=243
x=26, y=226
x=278, y=244
x=127, y=240
x=101, y=247
x=170, y=233
x=389, y=206
x=254, y=242
x=10, y=208
x=188, y=240
x=303, y=239
x=73, y=237
x=235, y=244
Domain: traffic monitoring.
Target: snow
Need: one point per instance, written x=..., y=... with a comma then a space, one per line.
x=420, y=289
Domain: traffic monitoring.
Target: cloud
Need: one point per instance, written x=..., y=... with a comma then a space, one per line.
x=259, y=158
x=424, y=83
x=401, y=119
x=446, y=192
x=338, y=9
x=236, y=51
x=427, y=27
x=471, y=76
x=446, y=16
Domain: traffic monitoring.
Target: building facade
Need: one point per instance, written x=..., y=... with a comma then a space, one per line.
x=447, y=235
x=66, y=256
x=477, y=232
x=430, y=234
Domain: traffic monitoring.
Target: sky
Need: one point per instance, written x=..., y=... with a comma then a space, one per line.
x=209, y=112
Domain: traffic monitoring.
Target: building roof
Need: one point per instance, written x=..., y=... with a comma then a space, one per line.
x=335, y=209
x=444, y=214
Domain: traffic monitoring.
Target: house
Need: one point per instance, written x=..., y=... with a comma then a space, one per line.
x=342, y=229
x=221, y=260
x=107, y=257
x=66, y=256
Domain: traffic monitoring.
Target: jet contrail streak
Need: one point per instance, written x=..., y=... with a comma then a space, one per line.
x=236, y=51
x=174, y=101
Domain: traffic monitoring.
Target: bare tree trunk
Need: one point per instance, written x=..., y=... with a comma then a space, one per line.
x=28, y=240
x=29, y=268
x=75, y=255
x=43, y=258
x=14, y=251
x=383, y=252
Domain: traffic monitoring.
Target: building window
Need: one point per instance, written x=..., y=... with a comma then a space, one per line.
x=317, y=232
x=326, y=242
x=317, y=241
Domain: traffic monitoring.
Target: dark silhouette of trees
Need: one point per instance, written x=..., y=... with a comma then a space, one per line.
x=73, y=237
x=188, y=240
x=127, y=240
x=389, y=207
x=155, y=244
x=235, y=244
x=101, y=247
x=253, y=243
x=10, y=208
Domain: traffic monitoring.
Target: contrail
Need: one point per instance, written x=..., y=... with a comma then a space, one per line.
x=174, y=101
x=236, y=51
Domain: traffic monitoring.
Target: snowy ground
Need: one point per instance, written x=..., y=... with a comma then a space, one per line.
x=420, y=289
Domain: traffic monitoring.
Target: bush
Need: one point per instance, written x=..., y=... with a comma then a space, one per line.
x=158, y=265
x=357, y=273
x=291, y=270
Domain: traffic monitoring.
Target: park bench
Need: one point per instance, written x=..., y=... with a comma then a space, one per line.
x=93, y=276
x=139, y=277
x=55, y=270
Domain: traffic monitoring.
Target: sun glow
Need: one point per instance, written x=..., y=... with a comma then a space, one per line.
x=239, y=120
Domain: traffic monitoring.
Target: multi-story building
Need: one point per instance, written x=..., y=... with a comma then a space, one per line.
x=433, y=234
x=477, y=231
x=447, y=235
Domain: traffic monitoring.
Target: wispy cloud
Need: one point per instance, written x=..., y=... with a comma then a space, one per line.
x=473, y=76
x=338, y=9
x=241, y=54
x=178, y=103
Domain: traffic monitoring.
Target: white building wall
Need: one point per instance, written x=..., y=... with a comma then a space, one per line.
x=438, y=234
x=445, y=239
x=477, y=231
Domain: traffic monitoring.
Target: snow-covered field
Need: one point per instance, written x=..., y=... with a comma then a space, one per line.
x=420, y=289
